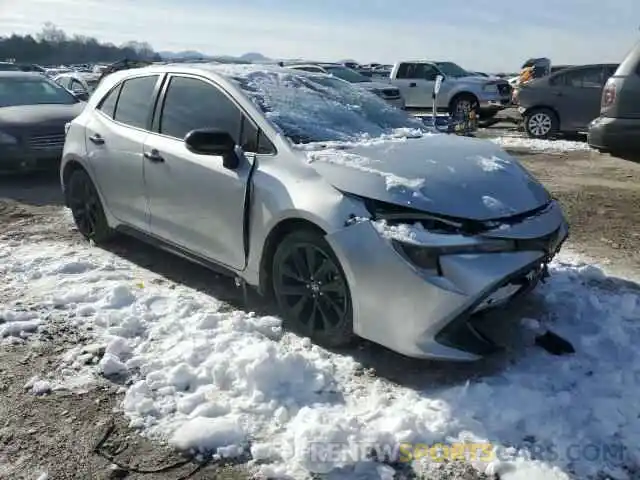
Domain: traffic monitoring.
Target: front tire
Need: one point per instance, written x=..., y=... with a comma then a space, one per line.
x=86, y=207
x=311, y=289
x=541, y=123
x=463, y=104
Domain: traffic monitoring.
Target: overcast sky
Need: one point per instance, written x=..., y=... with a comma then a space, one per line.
x=479, y=34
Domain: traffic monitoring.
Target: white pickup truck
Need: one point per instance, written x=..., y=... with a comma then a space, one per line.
x=460, y=90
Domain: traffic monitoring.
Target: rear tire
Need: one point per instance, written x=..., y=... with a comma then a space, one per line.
x=541, y=123
x=86, y=207
x=311, y=289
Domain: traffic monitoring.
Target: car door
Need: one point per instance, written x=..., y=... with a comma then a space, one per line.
x=416, y=82
x=576, y=96
x=195, y=202
x=115, y=136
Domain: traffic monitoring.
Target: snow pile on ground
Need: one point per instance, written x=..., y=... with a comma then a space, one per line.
x=511, y=142
x=231, y=383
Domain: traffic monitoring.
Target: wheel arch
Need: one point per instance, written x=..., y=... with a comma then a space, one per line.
x=70, y=166
x=277, y=233
x=462, y=93
x=542, y=107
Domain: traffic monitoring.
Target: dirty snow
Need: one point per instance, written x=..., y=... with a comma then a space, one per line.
x=512, y=142
x=207, y=378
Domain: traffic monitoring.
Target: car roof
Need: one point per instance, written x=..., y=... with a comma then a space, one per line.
x=573, y=68
x=314, y=64
x=21, y=74
x=225, y=70
x=85, y=75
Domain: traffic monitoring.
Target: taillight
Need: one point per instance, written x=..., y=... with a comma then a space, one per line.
x=608, y=95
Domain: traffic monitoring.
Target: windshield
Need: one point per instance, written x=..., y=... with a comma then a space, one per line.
x=451, y=69
x=32, y=91
x=347, y=74
x=317, y=108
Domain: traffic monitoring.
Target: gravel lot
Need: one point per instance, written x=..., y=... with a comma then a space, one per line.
x=58, y=433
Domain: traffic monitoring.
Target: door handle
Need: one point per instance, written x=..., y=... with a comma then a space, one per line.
x=413, y=84
x=558, y=94
x=97, y=139
x=154, y=156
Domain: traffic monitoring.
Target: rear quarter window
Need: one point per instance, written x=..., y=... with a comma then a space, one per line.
x=134, y=103
x=108, y=104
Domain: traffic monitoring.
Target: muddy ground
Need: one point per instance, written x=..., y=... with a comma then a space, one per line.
x=59, y=433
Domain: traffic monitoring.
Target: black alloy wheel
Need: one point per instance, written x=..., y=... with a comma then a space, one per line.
x=311, y=289
x=85, y=205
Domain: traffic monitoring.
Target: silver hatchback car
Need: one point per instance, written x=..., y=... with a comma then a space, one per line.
x=346, y=211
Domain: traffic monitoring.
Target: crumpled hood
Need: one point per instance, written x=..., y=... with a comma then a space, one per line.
x=442, y=174
x=32, y=115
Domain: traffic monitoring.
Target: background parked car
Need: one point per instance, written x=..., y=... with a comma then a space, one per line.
x=33, y=114
x=565, y=101
x=8, y=67
x=80, y=84
x=617, y=129
x=30, y=67
x=383, y=89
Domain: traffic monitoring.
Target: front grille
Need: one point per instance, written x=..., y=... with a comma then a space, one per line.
x=391, y=93
x=504, y=89
x=48, y=141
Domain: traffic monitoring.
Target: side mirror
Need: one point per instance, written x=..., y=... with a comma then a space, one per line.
x=210, y=141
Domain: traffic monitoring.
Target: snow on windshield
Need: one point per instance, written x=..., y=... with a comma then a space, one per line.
x=317, y=108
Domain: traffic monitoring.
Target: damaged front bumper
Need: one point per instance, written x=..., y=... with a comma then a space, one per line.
x=428, y=314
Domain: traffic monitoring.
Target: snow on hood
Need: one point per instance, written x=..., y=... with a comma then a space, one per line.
x=441, y=174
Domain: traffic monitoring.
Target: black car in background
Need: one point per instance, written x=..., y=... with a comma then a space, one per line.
x=617, y=129
x=9, y=67
x=33, y=114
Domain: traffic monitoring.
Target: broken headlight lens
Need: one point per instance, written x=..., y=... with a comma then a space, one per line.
x=428, y=258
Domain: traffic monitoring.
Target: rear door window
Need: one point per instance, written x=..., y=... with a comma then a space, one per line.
x=583, y=78
x=135, y=101
x=421, y=71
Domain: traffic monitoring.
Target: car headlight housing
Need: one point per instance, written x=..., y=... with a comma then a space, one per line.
x=490, y=88
x=6, y=139
x=428, y=257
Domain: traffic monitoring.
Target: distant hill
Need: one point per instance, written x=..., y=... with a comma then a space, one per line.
x=195, y=55
x=184, y=55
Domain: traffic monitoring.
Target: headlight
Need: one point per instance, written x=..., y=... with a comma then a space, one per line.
x=428, y=258
x=490, y=88
x=6, y=139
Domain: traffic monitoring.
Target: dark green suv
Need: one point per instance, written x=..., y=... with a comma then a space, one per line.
x=617, y=129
